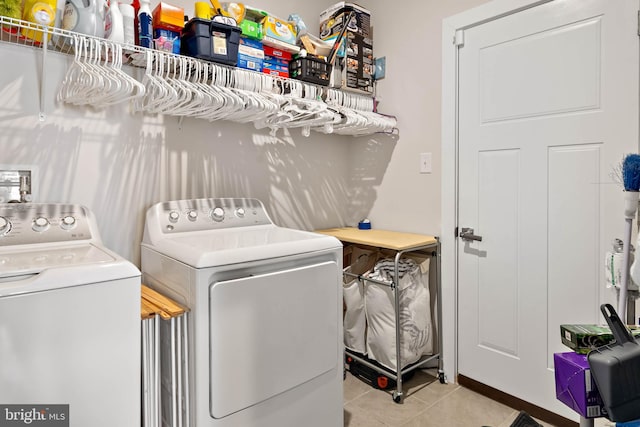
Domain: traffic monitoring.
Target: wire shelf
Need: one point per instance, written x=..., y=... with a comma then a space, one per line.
x=81, y=46
x=29, y=34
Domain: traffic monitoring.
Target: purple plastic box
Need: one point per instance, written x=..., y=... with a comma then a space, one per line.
x=574, y=385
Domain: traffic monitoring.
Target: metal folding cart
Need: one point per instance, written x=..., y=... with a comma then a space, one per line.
x=400, y=244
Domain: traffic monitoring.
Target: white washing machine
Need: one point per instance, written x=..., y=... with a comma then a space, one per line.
x=69, y=319
x=265, y=324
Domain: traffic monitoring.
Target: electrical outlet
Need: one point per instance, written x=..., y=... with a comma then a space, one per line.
x=425, y=162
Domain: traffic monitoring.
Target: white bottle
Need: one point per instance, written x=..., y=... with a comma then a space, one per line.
x=128, y=19
x=145, y=27
x=114, y=28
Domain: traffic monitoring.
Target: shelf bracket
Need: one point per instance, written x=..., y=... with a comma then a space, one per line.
x=45, y=42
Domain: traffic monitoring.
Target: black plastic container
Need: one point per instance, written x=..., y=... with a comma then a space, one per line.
x=310, y=69
x=211, y=41
x=616, y=369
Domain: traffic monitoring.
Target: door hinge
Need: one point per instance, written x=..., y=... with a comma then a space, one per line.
x=458, y=38
x=638, y=23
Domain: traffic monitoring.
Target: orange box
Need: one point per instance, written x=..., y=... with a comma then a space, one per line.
x=168, y=17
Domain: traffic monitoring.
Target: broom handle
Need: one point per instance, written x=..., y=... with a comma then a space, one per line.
x=624, y=284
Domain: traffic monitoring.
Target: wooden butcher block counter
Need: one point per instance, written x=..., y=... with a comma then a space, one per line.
x=380, y=238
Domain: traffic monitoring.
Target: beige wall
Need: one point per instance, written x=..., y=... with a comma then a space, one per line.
x=118, y=164
x=410, y=37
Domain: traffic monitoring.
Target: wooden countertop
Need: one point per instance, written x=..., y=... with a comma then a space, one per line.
x=380, y=238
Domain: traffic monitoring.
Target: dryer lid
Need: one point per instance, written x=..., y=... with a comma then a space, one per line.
x=212, y=248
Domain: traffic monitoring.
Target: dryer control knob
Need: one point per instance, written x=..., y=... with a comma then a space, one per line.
x=40, y=224
x=217, y=214
x=174, y=216
x=68, y=222
x=5, y=225
x=192, y=215
x=240, y=212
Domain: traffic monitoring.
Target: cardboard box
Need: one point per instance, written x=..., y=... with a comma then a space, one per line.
x=275, y=61
x=277, y=53
x=266, y=65
x=356, y=48
x=251, y=48
x=574, y=385
x=276, y=73
x=168, y=17
x=278, y=29
x=250, y=54
x=249, y=63
x=332, y=20
x=584, y=338
x=166, y=40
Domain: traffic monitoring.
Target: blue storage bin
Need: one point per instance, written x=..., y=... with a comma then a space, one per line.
x=211, y=41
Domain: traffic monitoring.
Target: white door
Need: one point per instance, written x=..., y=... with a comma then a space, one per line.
x=548, y=105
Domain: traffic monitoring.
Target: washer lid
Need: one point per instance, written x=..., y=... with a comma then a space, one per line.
x=25, y=271
x=202, y=249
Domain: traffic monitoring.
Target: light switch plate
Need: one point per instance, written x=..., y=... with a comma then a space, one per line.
x=425, y=163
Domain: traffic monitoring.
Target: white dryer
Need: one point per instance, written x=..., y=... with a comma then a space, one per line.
x=69, y=319
x=265, y=319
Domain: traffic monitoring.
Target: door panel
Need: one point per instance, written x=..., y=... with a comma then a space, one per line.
x=572, y=201
x=270, y=333
x=498, y=173
x=562, y=69
x=548, y=105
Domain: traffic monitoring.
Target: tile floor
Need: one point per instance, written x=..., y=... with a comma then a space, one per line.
x=427, y=403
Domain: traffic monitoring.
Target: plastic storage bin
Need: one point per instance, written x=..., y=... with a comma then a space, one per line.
x=616, y=369
x=211, y=41
x=309, y=69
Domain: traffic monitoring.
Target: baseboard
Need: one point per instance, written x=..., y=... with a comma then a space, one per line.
x=515, y=403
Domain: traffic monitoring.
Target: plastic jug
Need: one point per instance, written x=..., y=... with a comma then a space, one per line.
x=41, y=12
x=128, y=21
x=114, y=26
x=84, y=16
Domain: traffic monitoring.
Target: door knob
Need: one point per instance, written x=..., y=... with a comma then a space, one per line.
x=467, y=234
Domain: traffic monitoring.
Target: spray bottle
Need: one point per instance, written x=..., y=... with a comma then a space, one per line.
x=145, y=26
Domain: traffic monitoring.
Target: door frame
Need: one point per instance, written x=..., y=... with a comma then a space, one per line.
x=449, y=197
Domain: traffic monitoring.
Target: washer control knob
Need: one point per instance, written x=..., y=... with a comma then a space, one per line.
x=68, y=222
x=5, y=225
x=40, y=224
x=240, y=212
x=192, y=215
x=217, y=214
x=174, y=216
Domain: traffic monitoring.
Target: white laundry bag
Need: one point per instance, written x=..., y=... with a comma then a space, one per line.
x=355, y=323
x=416, y=331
